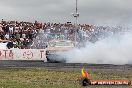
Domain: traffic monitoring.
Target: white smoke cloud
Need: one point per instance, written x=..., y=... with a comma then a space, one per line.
x=116, y=49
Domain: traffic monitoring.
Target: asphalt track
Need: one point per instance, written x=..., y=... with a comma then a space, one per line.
x=41, y=64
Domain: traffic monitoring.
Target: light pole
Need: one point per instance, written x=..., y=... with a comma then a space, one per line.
x=76, y=15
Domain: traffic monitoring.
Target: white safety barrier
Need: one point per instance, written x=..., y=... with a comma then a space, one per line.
x=22, y=54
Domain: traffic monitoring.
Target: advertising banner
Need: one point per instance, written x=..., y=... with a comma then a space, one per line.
x=22, y=54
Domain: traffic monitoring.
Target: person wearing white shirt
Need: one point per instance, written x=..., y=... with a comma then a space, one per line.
x=7, y=36
x=23, y=35
x=11, y=29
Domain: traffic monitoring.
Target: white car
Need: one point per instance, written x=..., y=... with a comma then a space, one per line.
x=56, y=49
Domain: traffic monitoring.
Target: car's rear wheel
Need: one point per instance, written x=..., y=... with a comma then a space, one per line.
x=53, y=58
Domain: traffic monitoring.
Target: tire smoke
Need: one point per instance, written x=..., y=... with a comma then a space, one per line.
x=115, y=49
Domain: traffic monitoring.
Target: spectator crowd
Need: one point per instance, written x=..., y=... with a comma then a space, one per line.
x=23, y=35
x=19, y=34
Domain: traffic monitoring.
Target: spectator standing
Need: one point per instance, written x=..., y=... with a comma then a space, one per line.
x=11, y=29
x=7, y=36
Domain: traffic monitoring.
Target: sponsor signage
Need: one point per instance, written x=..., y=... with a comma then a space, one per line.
x=22, y=54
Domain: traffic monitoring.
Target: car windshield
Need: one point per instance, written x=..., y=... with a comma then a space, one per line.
x=61, y=43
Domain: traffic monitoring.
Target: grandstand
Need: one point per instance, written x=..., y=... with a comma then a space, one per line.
x=26, y=35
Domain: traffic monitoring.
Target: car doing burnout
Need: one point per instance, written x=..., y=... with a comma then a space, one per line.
x=56, y=49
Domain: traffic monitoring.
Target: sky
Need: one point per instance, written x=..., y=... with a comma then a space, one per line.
x=96, y=12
